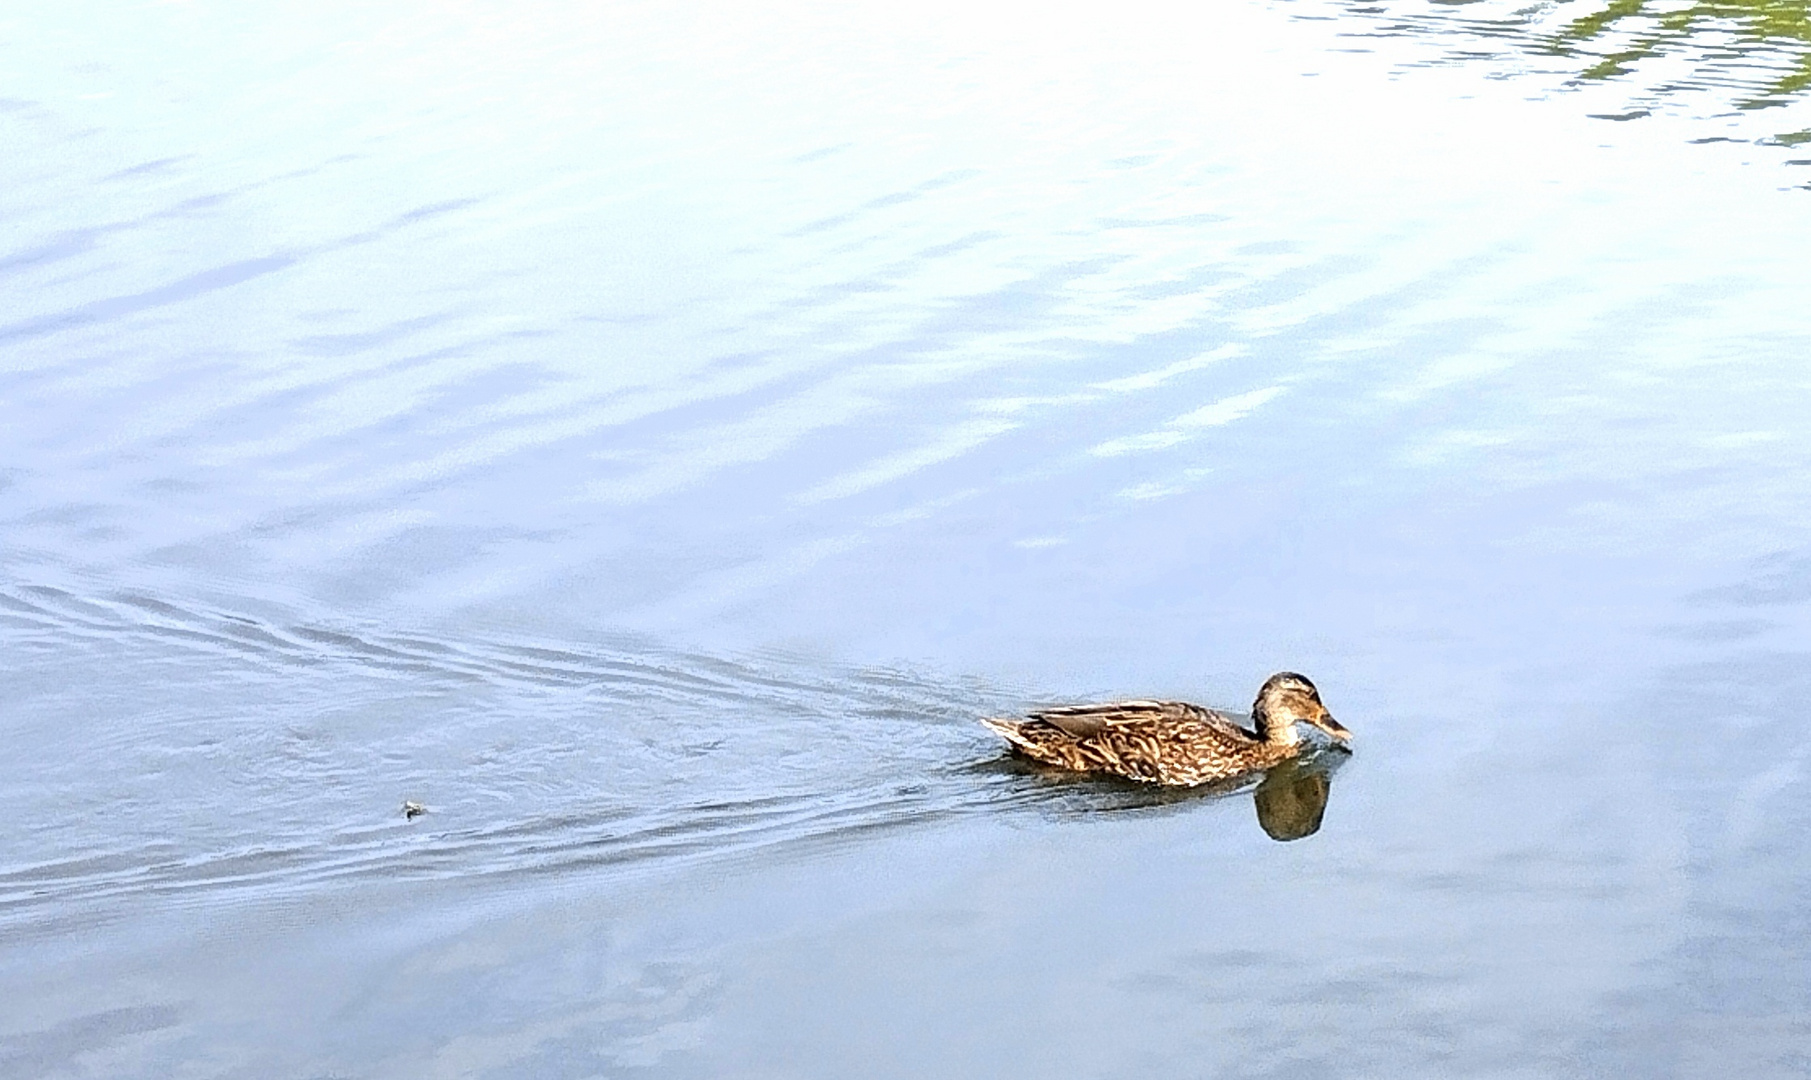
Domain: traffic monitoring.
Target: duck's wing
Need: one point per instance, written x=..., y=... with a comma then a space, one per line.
x=1085, y=721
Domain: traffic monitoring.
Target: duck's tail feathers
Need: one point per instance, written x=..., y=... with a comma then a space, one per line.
x=1006, y=728
x=1039, y=741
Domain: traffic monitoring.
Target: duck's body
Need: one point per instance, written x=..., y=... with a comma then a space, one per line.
x=1173, y=742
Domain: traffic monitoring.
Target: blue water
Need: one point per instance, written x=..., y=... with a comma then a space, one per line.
x=649, y=436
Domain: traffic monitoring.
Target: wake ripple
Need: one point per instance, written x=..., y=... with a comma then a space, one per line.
x=542, y=759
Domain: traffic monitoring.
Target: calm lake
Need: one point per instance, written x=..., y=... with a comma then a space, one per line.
x=650, y=436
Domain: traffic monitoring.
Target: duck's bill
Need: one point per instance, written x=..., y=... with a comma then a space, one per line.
x=1332, y=727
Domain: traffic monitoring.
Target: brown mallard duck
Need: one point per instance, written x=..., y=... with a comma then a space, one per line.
x=1173, y=742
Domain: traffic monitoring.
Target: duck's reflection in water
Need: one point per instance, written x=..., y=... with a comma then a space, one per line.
x=1291, y=798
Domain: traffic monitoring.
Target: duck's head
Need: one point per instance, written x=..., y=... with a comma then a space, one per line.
x=1287, y=699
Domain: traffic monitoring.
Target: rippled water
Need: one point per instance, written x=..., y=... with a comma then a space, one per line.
x=650, y=436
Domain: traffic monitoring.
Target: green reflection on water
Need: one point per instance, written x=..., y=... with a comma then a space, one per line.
x=1751, y=35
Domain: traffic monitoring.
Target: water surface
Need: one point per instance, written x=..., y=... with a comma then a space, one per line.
x=649, y=437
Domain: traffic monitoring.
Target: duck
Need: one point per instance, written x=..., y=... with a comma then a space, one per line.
x=1174, y=742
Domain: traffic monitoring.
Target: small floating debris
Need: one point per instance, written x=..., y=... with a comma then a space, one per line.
x=412, y=809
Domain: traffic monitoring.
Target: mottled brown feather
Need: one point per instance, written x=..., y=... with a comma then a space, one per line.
x=1162, y=742
x=1085, y=720
x=1172, y=742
